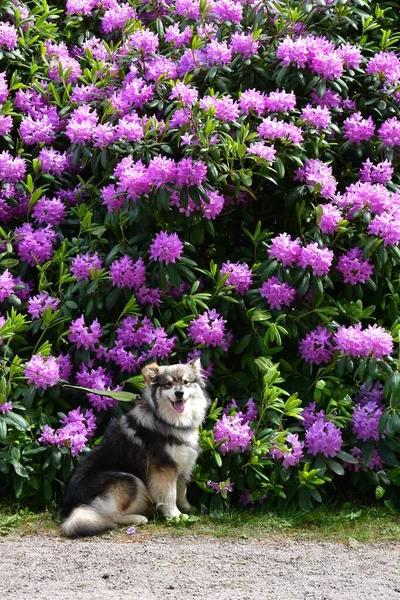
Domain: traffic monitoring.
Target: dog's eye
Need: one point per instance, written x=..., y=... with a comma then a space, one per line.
x=185, y=382
x=168, y=384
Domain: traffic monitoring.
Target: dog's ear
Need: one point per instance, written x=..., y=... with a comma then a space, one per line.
x=149, y=372
x=195, y=364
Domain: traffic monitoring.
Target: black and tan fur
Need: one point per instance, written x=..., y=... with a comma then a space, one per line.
x=146, y=458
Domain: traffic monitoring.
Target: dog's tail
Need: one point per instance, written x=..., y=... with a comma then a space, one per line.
x=85, y=520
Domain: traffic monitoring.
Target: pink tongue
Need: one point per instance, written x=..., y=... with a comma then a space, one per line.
x=179, y=406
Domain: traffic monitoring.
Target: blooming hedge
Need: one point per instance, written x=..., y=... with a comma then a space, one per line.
x=211, y=178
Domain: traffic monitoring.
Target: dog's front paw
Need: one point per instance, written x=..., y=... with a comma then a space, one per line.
x=188, y=508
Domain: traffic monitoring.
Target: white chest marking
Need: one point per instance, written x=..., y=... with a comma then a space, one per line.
x=184, y=456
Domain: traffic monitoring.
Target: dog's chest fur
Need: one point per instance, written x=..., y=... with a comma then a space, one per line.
x=184, y=455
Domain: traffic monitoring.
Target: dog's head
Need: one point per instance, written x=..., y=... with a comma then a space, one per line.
x=176, y=392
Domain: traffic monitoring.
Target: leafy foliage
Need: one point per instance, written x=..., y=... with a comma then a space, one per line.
x=117, y=127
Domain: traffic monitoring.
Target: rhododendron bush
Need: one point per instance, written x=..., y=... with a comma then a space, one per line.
x=203, y=178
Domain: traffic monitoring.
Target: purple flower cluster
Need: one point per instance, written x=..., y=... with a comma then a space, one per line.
x=77, y=428
x=41, y=371
x=292, y=453
x=138, y=341
x=166, y=247
x=373, y=341
x=37, y=305
x=354, y=268
x=318, y=345
x=276, y=293
x=209, y=330
x=234, y=432
x=323, y=437
x=291, y=252
x=365, y=421
x=220, y=487
x=240, y=276
x=85, y=336
x=318, y=176
x=83, y=265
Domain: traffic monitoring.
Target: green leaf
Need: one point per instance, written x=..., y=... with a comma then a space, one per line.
x=304, y=499
x=335, y=466
x=17, y=421
x=347, y=457
x=19, y=469
x=120, y=396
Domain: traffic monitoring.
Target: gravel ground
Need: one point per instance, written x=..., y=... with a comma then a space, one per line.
x=45, y=568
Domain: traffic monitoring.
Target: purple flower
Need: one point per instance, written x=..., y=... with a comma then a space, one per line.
x=12, y=170
x=320, y=116
x=280, y=101
x=161, y=170
x=6, y=124
x=240, y=276
x=319, y=259
x=5, y=407
x=37, y=305
x=262, y=150
x=144, y=40
x=365, y=421
x=81, y=125
x=189, y=172
x=42, y=372
x=97, y=379
x=245, y=497
x=385, y=65
x=310, y=416
x=292, y=453
x=65, y=364
x=166, y=247
x=330, y=218
x=373, y=393
x=221, y=487
x=356, y=129
x=3, y=88
x=285, y=249
x=323, y=437
x=378, y=342
x=244, y=44
x=215, y=205
x=49, y=211
x=84, y=264
x=116, y=17
x=316, y=173
x=380, y=173
x=373, y=341
x=208, y=329
x=276, y=293
x=78, y=426
x=376, y=463
x=34, y=245
x=387, y=227
x=125, y=272
x=7, y=283
x=53, y=162
x=85, y=336
x=316, y=347
x=133, y=178
x=8, y=35
x=234, y=434
x=272, y=129
x=354, y=268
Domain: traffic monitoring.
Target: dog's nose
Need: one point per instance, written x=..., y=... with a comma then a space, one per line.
x=179, y=393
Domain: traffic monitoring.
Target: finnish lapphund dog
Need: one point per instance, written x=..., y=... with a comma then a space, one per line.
x=145, y=460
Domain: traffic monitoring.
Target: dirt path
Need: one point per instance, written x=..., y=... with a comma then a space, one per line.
x=43, y=568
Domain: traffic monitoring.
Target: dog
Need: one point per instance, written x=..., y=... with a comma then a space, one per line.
x=145, y=460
